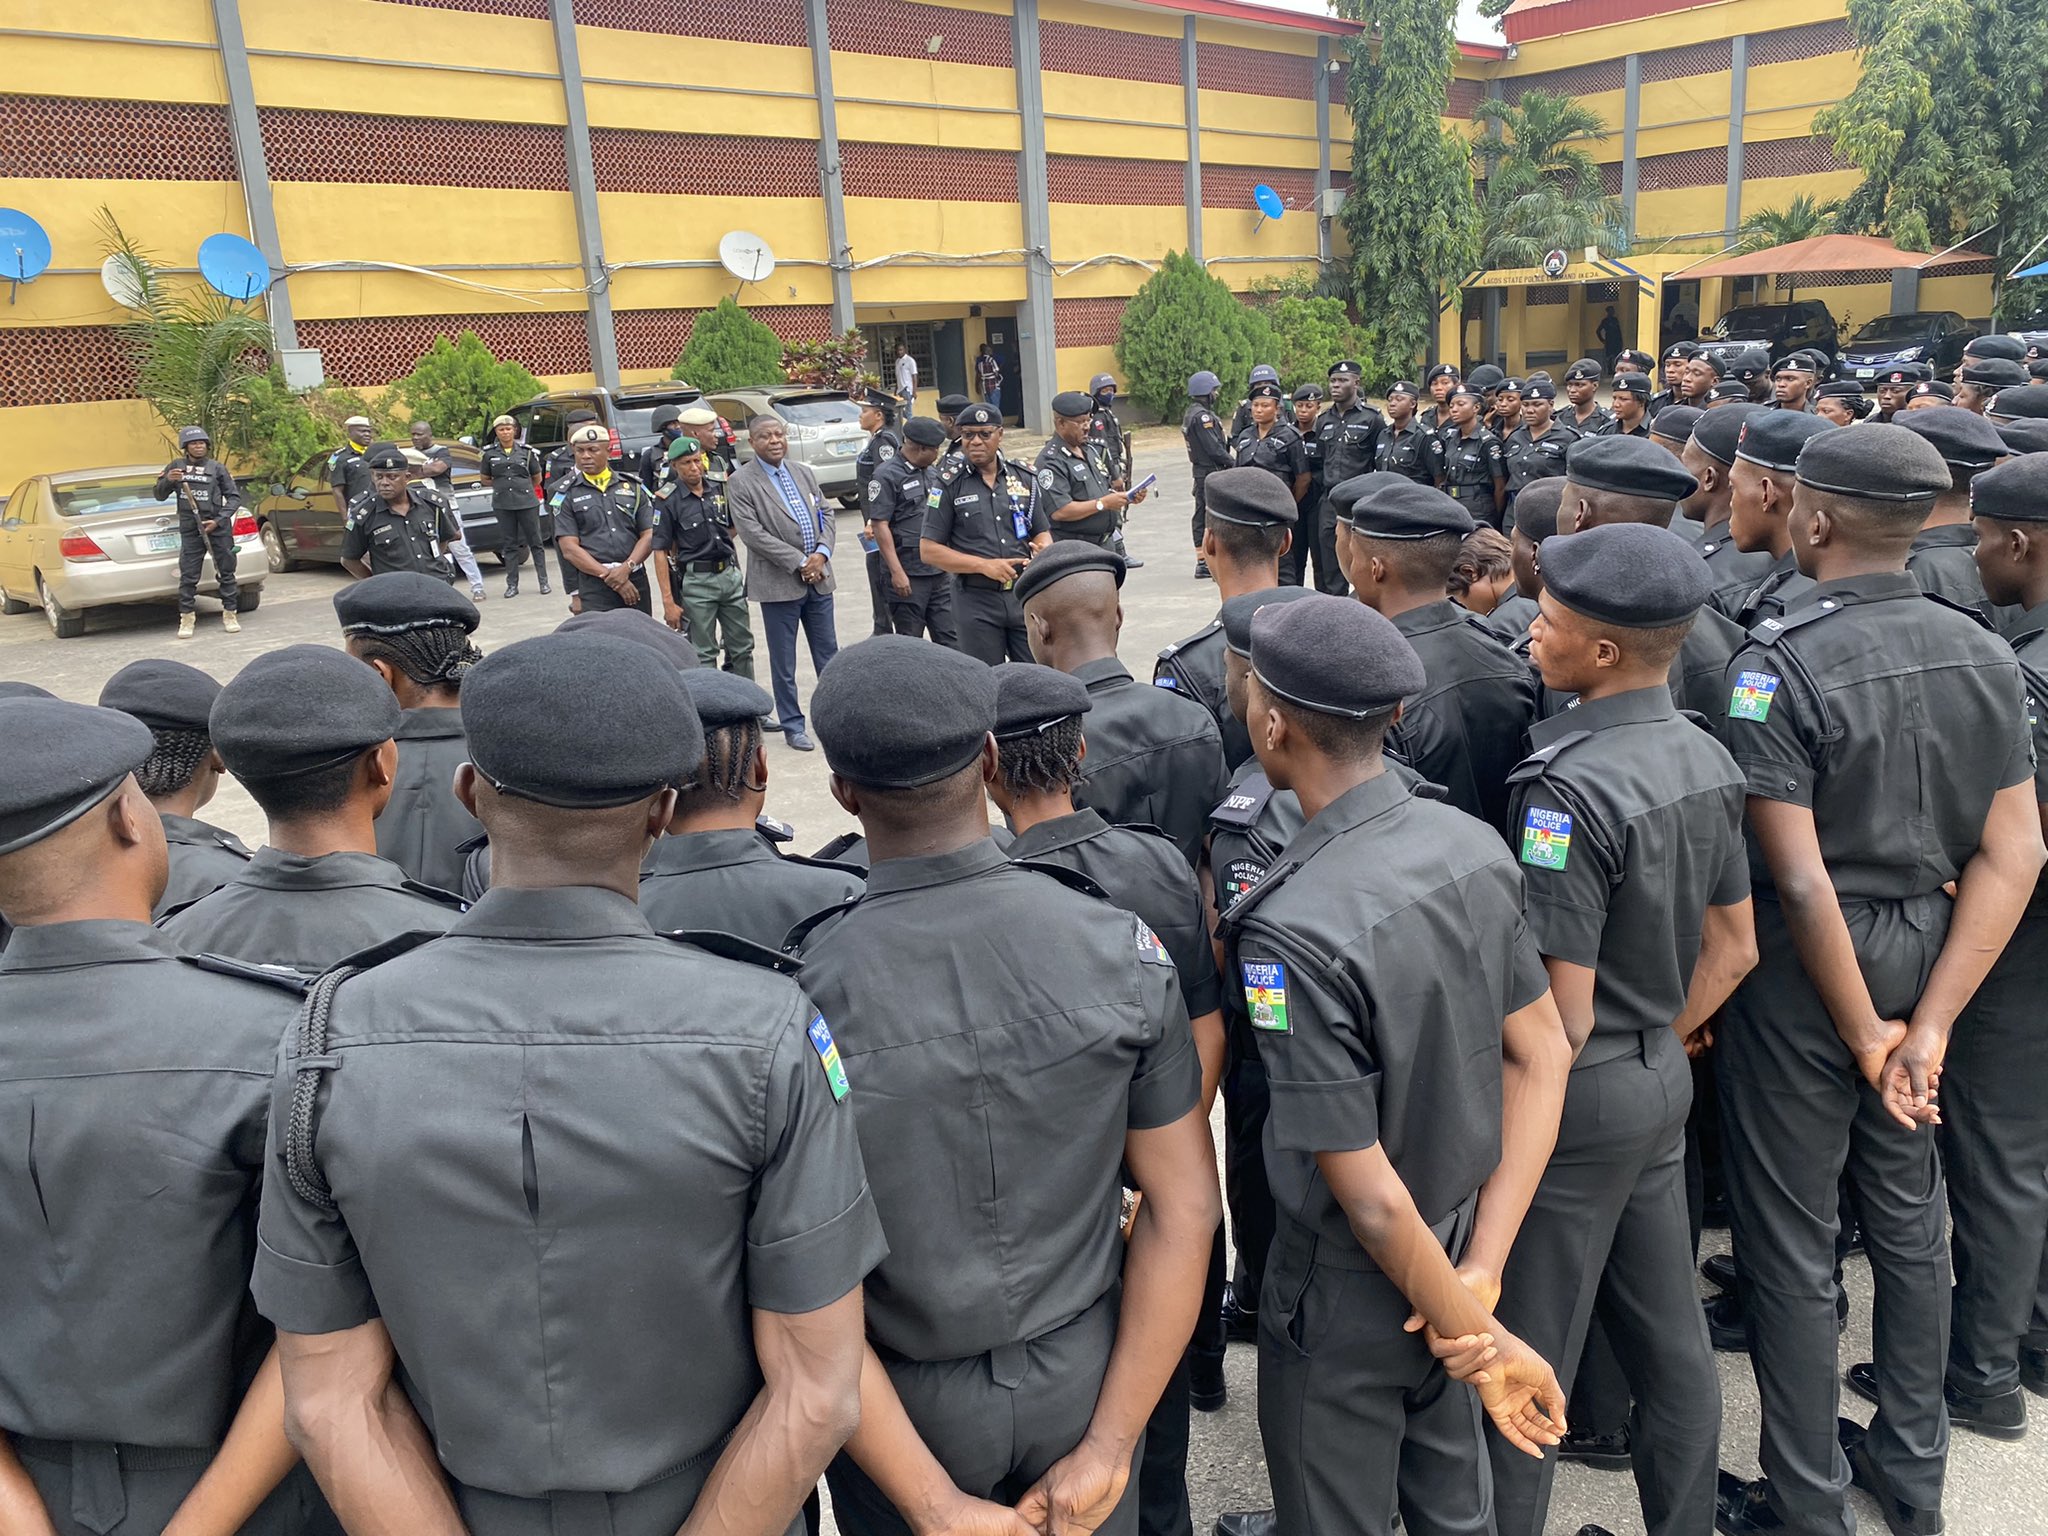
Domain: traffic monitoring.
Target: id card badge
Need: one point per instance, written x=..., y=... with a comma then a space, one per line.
x=1020, y=519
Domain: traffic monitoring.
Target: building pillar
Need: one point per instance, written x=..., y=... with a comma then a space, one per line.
x=1631, y=121
x=1323, y=240
x=1650, y=317
x=1514, y=331
x=1036, y=341
x=597, y=311
x=838, y=251
x=1574, y=325
x=1450, y=334
x=1191, y=75
x=1738, y=103
x=246, y=130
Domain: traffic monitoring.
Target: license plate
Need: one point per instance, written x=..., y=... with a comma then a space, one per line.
x=847, y=449
x=1866, y=373
x=157, y=543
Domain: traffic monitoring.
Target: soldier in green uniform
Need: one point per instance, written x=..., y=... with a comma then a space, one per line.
x=697, y=565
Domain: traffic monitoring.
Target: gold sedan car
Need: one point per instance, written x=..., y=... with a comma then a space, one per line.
x=91, y=538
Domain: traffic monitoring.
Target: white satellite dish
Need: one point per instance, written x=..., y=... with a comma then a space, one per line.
x=122, y=283
x=746, y=256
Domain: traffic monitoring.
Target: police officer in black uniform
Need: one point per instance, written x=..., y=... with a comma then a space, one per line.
x=993, y=1371
x=1631, y=405
x=1761, y=485
x=652, y=464
x=982, y=523
x=920, y=594
x=309, y=733
x=696, y=564
x=1386, y=1115
x=1404, y=445
x=1627, y=821
x=348, y=467
x=414, y=632
x=134, y=1081
x=678, y=1131
x=1208, y=444
x=1943, y=558
x=1072, y=485
x=718, y=867
x=208, y=500
x=1348, y=437
x=1895, y=388
x=557, y=467
x=1251, y=520
x=1307, y=405
x=1671, y=429
x=1671, y=375
x=514, y=468
x=1981, y=378
x=604, y=526
x=182, y=773
x=1107, y=440
x=1581, y=386
x=1262, y=373
x=1468, y=460
x=1535, y=449
x=1709, y=457
x=1438, y=382
x=1270, y=443
x=878, y=410
x=1157, y=759
x=1827, y=1054
x=400, y=525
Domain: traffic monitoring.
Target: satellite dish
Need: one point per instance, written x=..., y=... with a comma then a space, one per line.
x=120, y=280
x=1269, y=201
x=746, y=256
x=231, y=265
x=24, y=249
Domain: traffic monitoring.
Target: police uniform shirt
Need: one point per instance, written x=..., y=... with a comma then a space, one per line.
x=1312, y=457
x=1154, y=759
x=733, y=881
x=654, y=469
x=1372, y=1033
x=445, y=481
x=1467, y=465
x=884, y=445
x=208, y=491
x=1348, y=441
x=423, y=826
x=1944, y=561
x=134, y=1088
x=1627, y=821
x=615, y=1118
x=1279, y=451
x=1529, y=457
x=203, y=859
x=1735, y=574
x=1141, y=872
x=511, y=472
x=1249, y=829
x=349, y=473
x=1596, y=423
x=1004, y=1032
x=1108, y=445
x=693, y=525
x=1208, y=446
x=1464, y=730
x=411, y=540
x=607, y=522
x=556, y=469
x=1781, y=583
x=897, y=496
x=307, y=914
x=1194, y=670
x=1640, y=429
x=963, y=512
x=1406, y=451
x=1067, y=475
x=1512, y=618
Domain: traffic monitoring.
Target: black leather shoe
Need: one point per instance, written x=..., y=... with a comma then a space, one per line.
x=2003, y=1417
x=1900, y=1518
x=1862, y=1379
x=1592, y=1449
x=1202, y=574
x=2034, y=1370
x=1719, y=1268
x=1206, y=1391
x=1240, y=1324
x=511, y=586
x=545, y=589
x=800, y=741
x=1743, y=1509
x=1248, y=1522
x=1728, y=1324
x=1594, y=1530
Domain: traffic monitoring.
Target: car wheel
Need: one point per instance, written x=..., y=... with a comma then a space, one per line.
x=274, y=550
x=248, y=599
x=64, y=624
x=13, y=604
x=849, y=501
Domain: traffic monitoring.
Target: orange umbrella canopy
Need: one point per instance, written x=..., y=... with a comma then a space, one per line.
x=1825, y=253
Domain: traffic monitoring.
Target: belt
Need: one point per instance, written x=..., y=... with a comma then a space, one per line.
x=99, y=1496
x=707, y=567
x=1616, y=1045
x=1300, y=1242
x=983, y=584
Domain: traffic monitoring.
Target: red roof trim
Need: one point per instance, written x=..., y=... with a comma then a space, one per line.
x=1584, y=15
x=1259, y=15
x=1482, y=50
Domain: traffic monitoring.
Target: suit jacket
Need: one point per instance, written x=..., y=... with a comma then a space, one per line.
x=775, y=545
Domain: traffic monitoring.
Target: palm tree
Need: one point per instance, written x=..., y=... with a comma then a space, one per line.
x=1542, y=185
x=1801, y=219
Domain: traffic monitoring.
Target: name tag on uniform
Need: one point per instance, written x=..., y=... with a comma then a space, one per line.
x=1752, y=697
x=828, y=1054
x=1265, y=995
x=1546, y=838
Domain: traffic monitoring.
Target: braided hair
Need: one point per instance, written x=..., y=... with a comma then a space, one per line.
x=728, y=770
x=173, y=761
x=1045, y=761
x=433, y=655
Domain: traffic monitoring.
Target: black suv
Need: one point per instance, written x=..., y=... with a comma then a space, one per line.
x=627, y=412
x=1803, y=325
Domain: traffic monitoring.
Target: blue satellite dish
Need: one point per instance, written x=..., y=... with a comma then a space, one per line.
x=24, y=246
x=1269, y=201
x=231, y=265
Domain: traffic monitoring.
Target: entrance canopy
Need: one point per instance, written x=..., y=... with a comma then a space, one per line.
x=1828, y=253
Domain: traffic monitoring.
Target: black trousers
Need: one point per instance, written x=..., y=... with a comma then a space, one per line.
x=193, y=548
x=519, y=535
x=1163, y=1469
x=1315, y=540
x=1247, y=1195
x=1201, y=518
x=991, y=624
x=927, y=611
x=879, y=596
x=92, y=1489
x=599, y=598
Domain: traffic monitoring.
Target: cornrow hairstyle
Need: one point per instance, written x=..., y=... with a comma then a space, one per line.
x=1043, y=761
x=728, y=762
x=433, y=656
x=172, y=761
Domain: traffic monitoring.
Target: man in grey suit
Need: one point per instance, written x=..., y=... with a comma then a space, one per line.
x=782, y=518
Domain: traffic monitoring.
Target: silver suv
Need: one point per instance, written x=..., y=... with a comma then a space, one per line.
x=824, y=428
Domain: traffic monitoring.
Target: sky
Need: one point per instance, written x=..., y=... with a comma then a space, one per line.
x=1472, y=27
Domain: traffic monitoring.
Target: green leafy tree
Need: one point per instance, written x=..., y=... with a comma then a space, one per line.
x=1801, y=219
x=1542, y=184
x=838, y=362
x=459, y=386
x=273, y=430
x=1310, y=331
x=1181, y=321
x=1413, y=225
x=730, y=349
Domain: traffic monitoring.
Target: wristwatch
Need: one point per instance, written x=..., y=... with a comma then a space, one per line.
x=1099, y=506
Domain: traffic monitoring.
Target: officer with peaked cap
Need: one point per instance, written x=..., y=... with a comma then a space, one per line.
x=1943, y=558
x=1627, y=821
x=1762, y=483
x=1828, y=1052
x=208, y=500
x=604, y=526
x=983, y=521
x=920, y=594
x=513, y=470
x=1073, y=485
x=1208, y=444
x=1157, y=758
x=135, y=1081
x=415, y=632
x=348, y=469
x=1251, y=520
x=991, y=1370
x=1390, y=1052
x=400, y=525
x=695, y=1162
x=1404, y=443
x=182, y=772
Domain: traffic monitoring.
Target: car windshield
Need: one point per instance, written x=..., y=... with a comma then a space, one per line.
x=1896, y=328
x=1748, y=324
x=637, y=419
x=816, y=410
x=98, y=498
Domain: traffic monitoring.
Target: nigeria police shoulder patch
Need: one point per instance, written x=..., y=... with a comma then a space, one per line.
x=1546, y=838
x=828, y=1055
x=1265, y=995
x=1752, y=696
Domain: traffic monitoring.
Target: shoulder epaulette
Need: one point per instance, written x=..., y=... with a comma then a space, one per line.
x=280, y=976
x=1532, y=766
x=1214, y=626
x=1962, y=608
x=836, y=850
x=1697, y=719
x=1771, y=631
x=1246, y=803
x=811, y=861
x=775, y=831
x=1065, y=876
x=793, y=941
x=730, y=946
x=435, y=893
x=1272, y=880
x=390, y=949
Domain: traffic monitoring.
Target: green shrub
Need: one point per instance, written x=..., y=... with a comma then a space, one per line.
x=730, y=349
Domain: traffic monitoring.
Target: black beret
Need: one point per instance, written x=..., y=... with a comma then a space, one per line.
x=1637, y=384
x=1409, y=511
x=1536, y=508
x=1584, y=368
x=534, y=710
x=163, y=695
x=1070, y=557
x=724, y=698
x=1728, y=389
x=1936, y=388
x=1308, y=392
x=636, y=628
x=58, y=761
x=1964, y=439
x=1997, y=372
x=1470, y=392
x=2037, y=366
x=1874, y=462
x=1997, y=345
x=1485, y=376
x=1265, y=389
x=1841, y=389
x=1440, y=371
x=1030, y=697
x=1540, y=389
x=1675, y=422
x=384, y=456
x=1774, y=438
x=1346, y=366
x=2020, y=404
x=925, y=431
x=1798, y=362
x=897, y=713
x=1334, y=656
x=2015, y=492
x=1342, y=498
x=1629, y=574
x=1237, y=613
x=1907, y=373
x=1719, y=432
x=1071, y=402
x=298, y=710
x=1681, y=349
x=1512, y=385
x=578, y=416
x=1748, y=363
x=951, y=405
x=2024, y=436
x=976, y=414
x=1630, y=466
x=395, y=601
x=1635, y=355
x=12, y=690
x=1249, y=495
x=1403, y=387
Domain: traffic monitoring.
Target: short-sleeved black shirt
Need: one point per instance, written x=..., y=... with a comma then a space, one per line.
x=349, y=472
x=1067, y=475
x=410, y=541
x=1348, y=441
x=1280, y=451
x=896, y=496
x=1406, y=451
x=734, y=881
x=1154, y=758
x=1529, y=457
x=964, y=511
x=1467, y=466
x=511, y=472
x=693, y=525
x=607, y=521
x=1464, y=730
